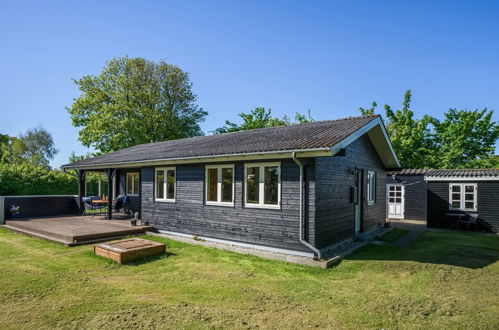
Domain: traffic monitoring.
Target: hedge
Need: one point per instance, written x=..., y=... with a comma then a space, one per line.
x=27, y=179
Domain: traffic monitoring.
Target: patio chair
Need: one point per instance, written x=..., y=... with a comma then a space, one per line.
x=118, y=204
x=89, y=207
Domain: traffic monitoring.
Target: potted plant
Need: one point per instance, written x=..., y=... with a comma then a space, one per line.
x=133, y=220
x=14, y=212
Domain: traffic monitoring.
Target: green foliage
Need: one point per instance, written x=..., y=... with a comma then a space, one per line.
x=261, y=118
x=464, y=139
x=31, y=179
x=411, y=138
x=35, y=146
x=368, y=111
x=135, y=101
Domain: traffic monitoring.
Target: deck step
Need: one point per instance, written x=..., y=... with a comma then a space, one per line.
x=38, y=235
x=78, y=240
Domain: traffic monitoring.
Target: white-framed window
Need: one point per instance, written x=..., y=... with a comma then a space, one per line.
x=371, y=187
x=165, y=178
x=262, y=185
x=463, y=196
x=132, y=183
x=219, y=183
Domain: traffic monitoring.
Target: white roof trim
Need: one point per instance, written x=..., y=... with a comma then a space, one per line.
x=461, y=178
x=315, y=152
x=366, y=129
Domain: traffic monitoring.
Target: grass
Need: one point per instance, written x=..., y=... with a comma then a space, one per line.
x=443, y=280
x=393, y=235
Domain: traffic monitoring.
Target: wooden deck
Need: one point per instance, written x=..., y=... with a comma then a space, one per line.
x=75, y=230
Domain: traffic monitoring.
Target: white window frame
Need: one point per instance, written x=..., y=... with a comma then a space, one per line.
x=165, y=184
x=371, y=195
x=219, y=184
x=463, y=197
x=261, y=186
x=132, y=182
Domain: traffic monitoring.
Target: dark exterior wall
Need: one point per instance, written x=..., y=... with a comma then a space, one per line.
x=438, y=203
x=135, y=201
x=415, y=204
x=41, y=206
x=334, y=177
x=189, y=214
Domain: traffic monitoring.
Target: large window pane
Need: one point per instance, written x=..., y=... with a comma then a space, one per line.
x=252, y=185
x=469, y=205
x=136, y=183
x=160, y=179
x=227, y=185
x=212, y=185
x=171, y=184
x=271, y=190
x=129, y=183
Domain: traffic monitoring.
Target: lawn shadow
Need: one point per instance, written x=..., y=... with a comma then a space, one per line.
x=146, y=260
x=470, y=250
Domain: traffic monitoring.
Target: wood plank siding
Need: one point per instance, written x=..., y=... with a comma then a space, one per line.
x=41, y=206
x=438, y=203
x=190, y=215
x=415, y=203
x=334, y=208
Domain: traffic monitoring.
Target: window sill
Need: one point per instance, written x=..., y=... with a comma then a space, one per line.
x=464, y=210
x=132, y=195
x=219, y=204
x=258, y=206
x=165, y=200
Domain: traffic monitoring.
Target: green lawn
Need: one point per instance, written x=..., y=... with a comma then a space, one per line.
x=443, y=280
x=393, y=235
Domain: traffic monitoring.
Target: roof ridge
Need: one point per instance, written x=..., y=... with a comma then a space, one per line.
x=300, y=124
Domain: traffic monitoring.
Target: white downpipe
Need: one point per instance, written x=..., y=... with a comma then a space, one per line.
x=302, y=222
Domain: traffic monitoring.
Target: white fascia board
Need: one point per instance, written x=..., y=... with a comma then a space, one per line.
x=263, y=155
x=363, y=130
x=460, y=178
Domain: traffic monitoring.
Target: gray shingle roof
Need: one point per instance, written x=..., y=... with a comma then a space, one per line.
x=409, y=171
x=316, y=135
x=474, y=173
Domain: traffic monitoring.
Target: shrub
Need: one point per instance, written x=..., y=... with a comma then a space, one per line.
x=28, y=179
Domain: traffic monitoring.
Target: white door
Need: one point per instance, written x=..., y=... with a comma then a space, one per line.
x=395, y=201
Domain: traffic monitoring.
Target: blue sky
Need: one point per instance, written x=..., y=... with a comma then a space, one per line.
x=327, y=56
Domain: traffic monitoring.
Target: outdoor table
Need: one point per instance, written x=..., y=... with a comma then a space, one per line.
x=99, y=202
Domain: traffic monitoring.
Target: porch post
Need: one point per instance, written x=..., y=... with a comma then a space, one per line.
x=81, y=190
x=110, y=174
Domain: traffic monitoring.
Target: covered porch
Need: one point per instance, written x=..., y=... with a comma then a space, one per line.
x=75, y=230
x=112, y=193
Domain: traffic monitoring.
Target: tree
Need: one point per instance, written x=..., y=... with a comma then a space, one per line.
x=368, y=111
x=35, y=146
x=411, y=138
x=466, y=139
x=134, y=101
x=261, y=118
